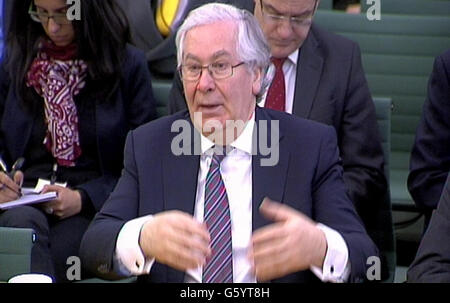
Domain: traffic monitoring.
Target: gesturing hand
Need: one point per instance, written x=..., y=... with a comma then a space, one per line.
x=176, y=239
x=291, y=244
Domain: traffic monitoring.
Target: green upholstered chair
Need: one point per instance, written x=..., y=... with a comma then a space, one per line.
x=397, y=54
x=383, y=107
x=161, y=91
x=326, y=4
x=15, y=251
x=412, y=7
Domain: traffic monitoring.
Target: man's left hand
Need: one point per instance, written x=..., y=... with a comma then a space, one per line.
x=292, y=243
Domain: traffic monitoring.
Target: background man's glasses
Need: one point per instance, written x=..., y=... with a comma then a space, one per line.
x=217, y=70
x=274, y=18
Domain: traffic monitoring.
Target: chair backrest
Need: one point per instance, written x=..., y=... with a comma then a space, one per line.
x=326, y=4
x=397, y=53
x=383, y=108
x=411, y=7
x=161, y=91
x=15, y=251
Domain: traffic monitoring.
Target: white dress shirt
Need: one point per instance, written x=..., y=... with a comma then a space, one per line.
x=236, y=171
x=290, y=75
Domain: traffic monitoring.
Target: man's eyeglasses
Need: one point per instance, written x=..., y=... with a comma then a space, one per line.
x=217, y=70
x=294, y=21
x=42, y=17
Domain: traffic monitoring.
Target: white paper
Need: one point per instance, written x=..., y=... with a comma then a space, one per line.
x=29, y=198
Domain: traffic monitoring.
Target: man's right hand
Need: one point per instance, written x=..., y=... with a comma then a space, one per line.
x=9, y=188
x=176, y=239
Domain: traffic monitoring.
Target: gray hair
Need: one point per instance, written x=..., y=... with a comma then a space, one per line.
x=251, y=46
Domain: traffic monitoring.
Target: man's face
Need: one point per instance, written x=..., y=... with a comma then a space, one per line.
x=285, y=23
x=230, y=98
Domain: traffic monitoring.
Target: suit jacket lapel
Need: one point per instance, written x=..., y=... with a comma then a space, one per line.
x=180, y=188
x=267, y=181
x=309, y=70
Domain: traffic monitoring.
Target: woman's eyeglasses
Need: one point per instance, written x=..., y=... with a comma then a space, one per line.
x=43, y=17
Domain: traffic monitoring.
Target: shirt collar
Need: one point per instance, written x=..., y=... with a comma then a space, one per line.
x=293, y=57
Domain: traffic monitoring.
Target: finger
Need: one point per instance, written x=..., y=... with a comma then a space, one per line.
x=50, y=188
x=267, y=234
x=9, y=183
x=18, y=178
x=188, y=226
x=269, y=251
x=190, y=234
x=275, y=211
x=8, y=195
x=178, y=257
x=192, y=243
x=266, y=271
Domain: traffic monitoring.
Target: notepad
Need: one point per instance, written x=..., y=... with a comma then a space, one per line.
x=29, y=198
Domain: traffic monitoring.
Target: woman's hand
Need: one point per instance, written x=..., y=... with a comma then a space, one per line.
x=9, y=188
x=67, y=204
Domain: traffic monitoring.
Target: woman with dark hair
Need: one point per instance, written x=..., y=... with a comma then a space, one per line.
x=70, y=90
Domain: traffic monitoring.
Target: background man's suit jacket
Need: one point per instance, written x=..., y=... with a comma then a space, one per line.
x=160, y=51
x=432, y=262
x=307, y=177
x=430, y=156
x=331, y=88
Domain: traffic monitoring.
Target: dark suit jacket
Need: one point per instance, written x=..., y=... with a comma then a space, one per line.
x=430, y=157
x=331, y=88
x=132, y=106
x=432, y=262
x=160, y=51
x=307, y=177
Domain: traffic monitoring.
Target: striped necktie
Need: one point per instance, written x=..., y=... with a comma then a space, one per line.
x=219, y=268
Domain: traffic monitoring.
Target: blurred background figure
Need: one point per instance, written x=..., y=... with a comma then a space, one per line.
x=154, y=24
x=70, y=92
x=430, y=156
x=350, y=6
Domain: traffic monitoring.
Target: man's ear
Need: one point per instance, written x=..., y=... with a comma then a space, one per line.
x=257, y=80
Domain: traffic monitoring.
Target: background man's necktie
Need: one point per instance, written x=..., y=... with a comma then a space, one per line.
x=219, y=268
x=276, y=96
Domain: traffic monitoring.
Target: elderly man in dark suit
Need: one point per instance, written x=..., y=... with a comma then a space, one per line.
x=324, y=81
x=432, y=262
x=430, y=156
x=187, y=212
x=160, y=49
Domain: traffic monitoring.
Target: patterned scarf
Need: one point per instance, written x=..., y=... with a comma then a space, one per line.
x=57, y=77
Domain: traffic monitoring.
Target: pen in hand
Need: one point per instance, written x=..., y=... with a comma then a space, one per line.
x=17, y=165
x=3, y=166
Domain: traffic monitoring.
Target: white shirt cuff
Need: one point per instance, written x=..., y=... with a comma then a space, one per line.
x=129, y=258
x=336, y=266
